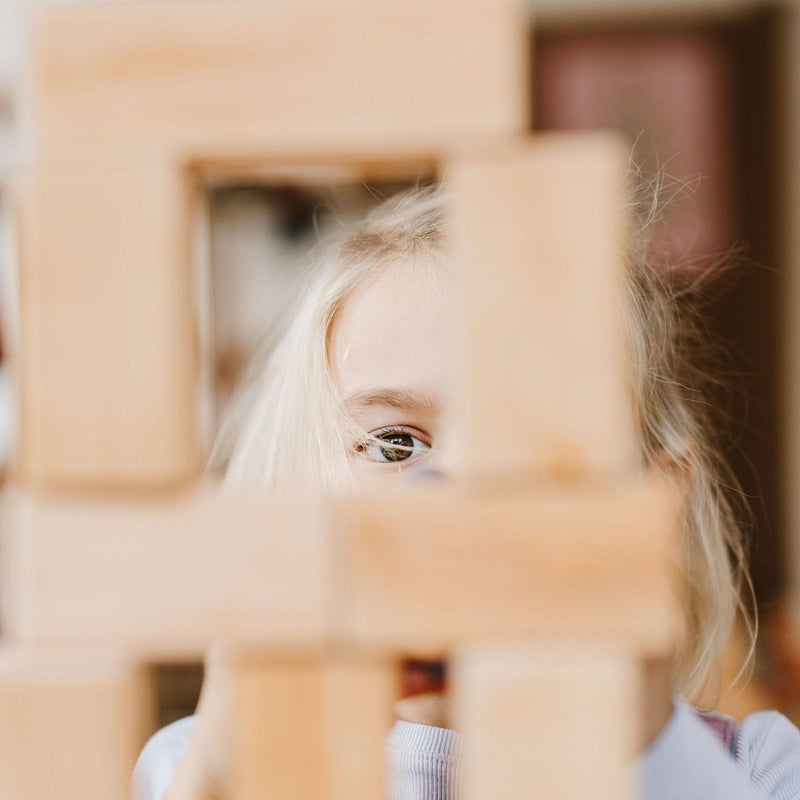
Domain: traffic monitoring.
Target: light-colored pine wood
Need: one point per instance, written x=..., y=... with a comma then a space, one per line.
x=108, y=373
x=539, y=234
x=164, y=578
x=108, y=360
x=424, y=572
x=311, y=729
x=270, y=78
x=546, y=719
x=71, y=724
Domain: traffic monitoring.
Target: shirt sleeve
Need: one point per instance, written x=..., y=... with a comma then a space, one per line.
x=159, y=760
x=423, y=762
x=688, y=762
x=767, y=747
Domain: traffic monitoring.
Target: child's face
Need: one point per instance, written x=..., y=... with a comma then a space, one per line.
x=389, y=352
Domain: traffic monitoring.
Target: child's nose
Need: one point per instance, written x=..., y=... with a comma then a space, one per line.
x=427, y=474
x=439, y=464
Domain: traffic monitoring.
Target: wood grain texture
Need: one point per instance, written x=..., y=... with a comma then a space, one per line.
x=278, y=77
x=539, y=236
x=71, y=724
x=546, y=719
x=312, y=729
x=165, y=578
x=109, y=374
x=108, y=361
x=424, y=572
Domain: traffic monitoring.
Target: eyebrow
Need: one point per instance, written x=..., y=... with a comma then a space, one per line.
x=392, y=397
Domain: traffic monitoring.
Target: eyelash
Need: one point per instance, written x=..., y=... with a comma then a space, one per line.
x=375, y=448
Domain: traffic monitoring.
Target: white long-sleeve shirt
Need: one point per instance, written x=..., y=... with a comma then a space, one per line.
x=687, y=761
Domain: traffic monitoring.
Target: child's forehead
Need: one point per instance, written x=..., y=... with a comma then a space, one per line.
x=403, y=273
x=391, y=331
x=396, y=293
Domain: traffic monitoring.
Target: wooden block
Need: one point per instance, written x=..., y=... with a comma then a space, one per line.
x=546, y=720
x=424, y=572
x=71, y=724
x=311, y=729
x=539, y=233
x=108, y=363
x=278, y=78
x=166, y=577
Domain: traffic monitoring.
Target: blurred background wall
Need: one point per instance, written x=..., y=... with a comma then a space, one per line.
x=708, y=91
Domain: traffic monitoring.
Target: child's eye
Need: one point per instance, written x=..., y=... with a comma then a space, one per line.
x=392, y=445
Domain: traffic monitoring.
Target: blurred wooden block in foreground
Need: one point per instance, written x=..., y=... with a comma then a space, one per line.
x=281, y=78
x=422, y=573
x=164, y=578
x=71, y=724
x=128, y=105
x=539, y=235
x=547, y=720
x=108, y=364
x=311, y=729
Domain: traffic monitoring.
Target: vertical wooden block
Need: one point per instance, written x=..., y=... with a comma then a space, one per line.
x=539, y=235
x=108, y=364
x=546, y=720
x=71, y=725
x=311, y=729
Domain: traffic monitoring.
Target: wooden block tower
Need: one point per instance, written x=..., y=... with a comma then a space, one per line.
x=128, y=108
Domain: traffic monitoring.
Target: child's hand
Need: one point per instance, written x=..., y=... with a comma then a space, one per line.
x=657, y=697
x=204, y=769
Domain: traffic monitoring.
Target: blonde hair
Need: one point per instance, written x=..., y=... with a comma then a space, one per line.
x=677, y=433
x=288, y=427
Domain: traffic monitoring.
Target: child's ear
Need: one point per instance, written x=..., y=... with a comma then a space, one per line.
x=677, y=464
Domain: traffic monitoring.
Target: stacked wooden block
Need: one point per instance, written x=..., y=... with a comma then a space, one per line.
x=540, y=573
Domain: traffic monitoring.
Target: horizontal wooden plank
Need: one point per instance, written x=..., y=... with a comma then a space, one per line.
x=408, y=574
x=108, y=364
x=212, y=79
x=422, y=573
x=165, y=578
